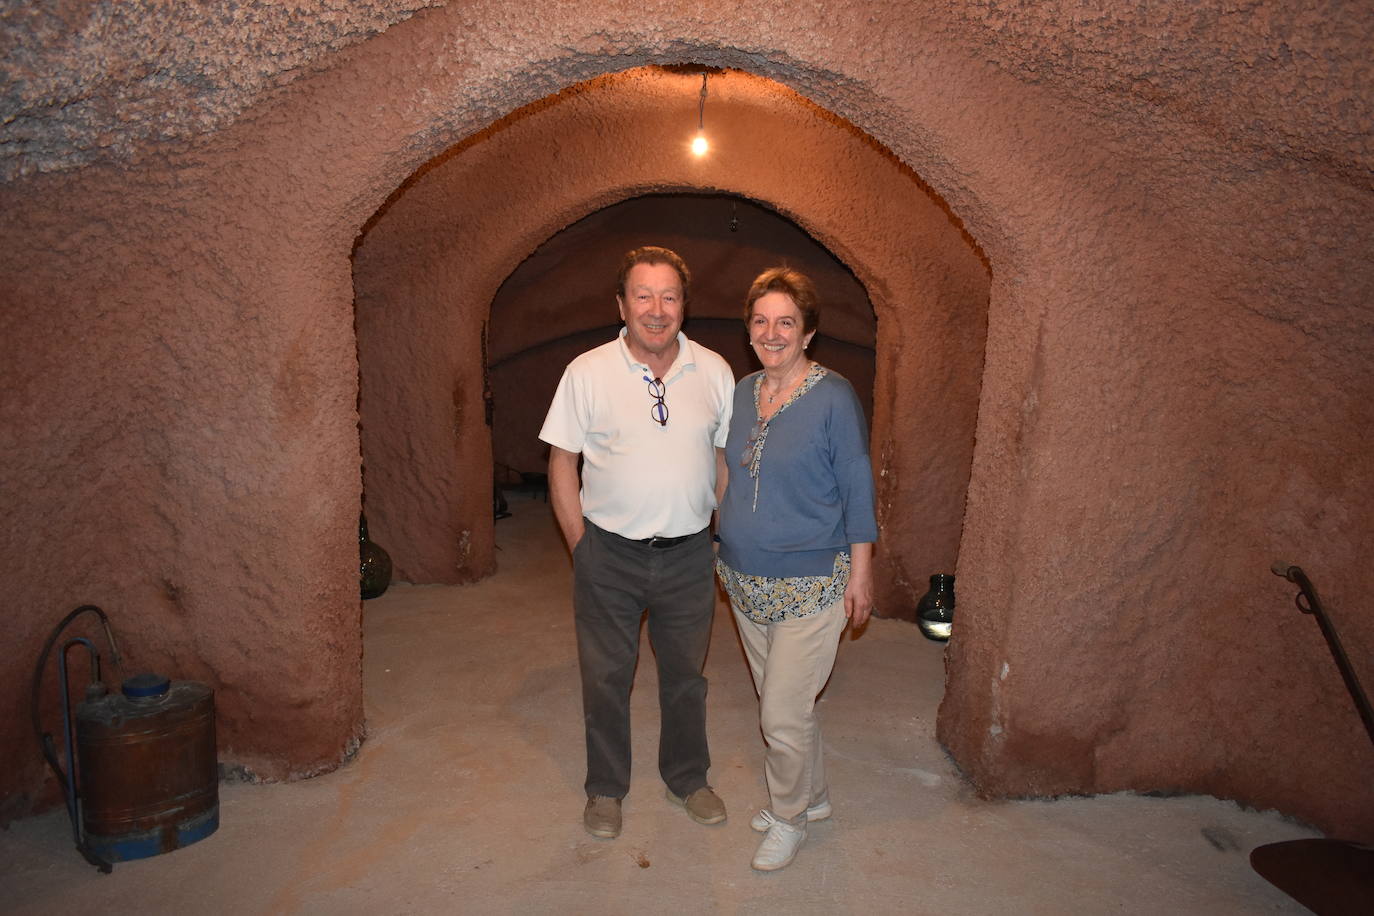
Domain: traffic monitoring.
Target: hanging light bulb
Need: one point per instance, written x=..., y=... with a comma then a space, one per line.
x=699, y=144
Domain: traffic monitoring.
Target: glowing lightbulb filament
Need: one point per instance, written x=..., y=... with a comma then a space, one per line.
x=699, y=145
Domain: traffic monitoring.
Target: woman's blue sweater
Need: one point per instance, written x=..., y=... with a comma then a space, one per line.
x=815, y=486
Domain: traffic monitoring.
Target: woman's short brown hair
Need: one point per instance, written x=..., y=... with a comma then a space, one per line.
x=794, y=284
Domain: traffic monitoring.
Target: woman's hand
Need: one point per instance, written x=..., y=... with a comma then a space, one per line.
x=858, y=594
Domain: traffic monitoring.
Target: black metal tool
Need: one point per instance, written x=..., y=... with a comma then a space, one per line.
x=1329, y=877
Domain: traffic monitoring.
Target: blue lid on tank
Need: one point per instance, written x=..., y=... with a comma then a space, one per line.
x=146, y=685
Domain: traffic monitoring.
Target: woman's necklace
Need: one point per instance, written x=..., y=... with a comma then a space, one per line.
x=788, y=383
x=753, y=451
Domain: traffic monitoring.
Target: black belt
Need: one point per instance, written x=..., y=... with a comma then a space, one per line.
x=660, y=541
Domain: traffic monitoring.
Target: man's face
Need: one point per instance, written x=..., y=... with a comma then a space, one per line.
x=651, y=305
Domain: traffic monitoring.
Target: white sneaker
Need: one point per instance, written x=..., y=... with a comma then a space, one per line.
x=765, y=817
x=779, y=846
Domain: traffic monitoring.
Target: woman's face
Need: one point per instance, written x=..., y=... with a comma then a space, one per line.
x=775, y=333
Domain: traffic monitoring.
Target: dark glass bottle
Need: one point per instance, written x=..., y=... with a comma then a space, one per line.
x=374, y=563
x=935, y=610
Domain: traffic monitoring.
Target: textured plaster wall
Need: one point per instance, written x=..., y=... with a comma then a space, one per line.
x=179, y=449
x=1174, y=201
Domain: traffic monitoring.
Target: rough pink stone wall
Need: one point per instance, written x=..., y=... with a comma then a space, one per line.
x=1174, y=202
x=179, y=450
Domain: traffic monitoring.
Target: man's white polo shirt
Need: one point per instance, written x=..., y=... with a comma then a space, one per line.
x=640, y=478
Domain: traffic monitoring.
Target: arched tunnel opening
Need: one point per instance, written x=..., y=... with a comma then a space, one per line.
x=485, y=273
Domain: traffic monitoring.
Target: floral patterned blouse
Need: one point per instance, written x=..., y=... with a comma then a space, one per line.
x=768, y=599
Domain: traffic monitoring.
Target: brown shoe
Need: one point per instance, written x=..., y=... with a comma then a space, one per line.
x=703, y=806
x=601, y=817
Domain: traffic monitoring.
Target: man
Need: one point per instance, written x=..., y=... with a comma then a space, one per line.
x=648, y=412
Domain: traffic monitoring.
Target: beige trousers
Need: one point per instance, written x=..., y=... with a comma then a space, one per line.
x=791, y=660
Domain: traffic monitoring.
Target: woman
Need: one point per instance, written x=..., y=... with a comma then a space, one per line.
x=796, y=552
